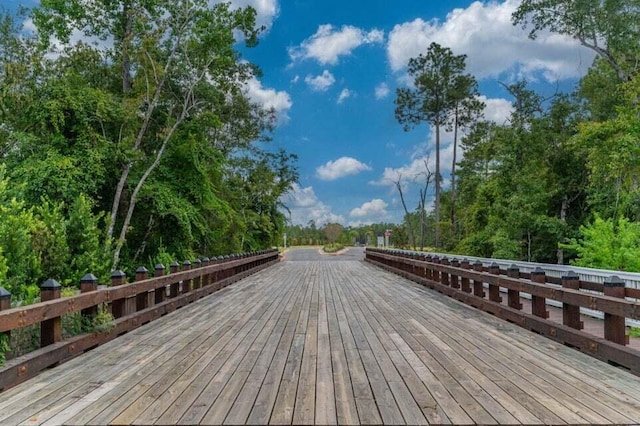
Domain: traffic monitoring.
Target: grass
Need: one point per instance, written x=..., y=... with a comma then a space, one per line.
x=634, y=332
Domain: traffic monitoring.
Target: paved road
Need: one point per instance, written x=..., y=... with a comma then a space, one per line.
x=316, y=254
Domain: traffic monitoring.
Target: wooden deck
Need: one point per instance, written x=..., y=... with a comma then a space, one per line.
x=309, y=342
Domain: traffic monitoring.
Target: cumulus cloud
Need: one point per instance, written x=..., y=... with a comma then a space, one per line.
x=328, y=44
x=343, y=95
x=382, y=91
x=497, y=110
x=320, y=83
x=304, y=206
x=375, y=207
x=266, y=10
x=494, y=46
x=341, y=167
x=280, y=101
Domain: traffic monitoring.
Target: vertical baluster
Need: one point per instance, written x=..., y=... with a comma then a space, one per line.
x=174, y=288
x=186, y=284
x=513, y=296
x=161, y=292
x=5, y=303
x=51, y=329
x=118, y=308
x=539, y=303
x=464, y=281
x=478, y=288
x=142, y=299
x=571, y=313
x=614, y=325
x=455, y=283
x=494, y=289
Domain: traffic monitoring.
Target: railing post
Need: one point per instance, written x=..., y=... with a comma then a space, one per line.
x=464, y=281
x=444, y=276
x=435, y=274
x=494, y=289
x=614, y=325
x=174, y=288
x=161, y=292
x=186, y=284
x=142, y=299
x=428, y=273
x=455, y=281
x=5, y=303
x=51, y=329
x=197, y=281
x=539, y=303
x=118, y=307
x=206, y=278
x=513, y=296
x=89, y=283
x=478, y=287
x=571, y=313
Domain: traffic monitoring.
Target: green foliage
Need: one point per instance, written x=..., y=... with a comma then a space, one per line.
x=103, y=321
x=634, y=332
x=332, y=248
x=608, y=244
x=4, y=348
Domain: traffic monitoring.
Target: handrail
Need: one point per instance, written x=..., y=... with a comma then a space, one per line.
x=132, y=304
x=467, y=282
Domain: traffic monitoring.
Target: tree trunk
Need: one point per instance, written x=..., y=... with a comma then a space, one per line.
x=437, y=203
x=453, y=172
x=563, y=219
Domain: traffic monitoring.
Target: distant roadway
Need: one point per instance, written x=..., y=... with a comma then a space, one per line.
x=316, y=253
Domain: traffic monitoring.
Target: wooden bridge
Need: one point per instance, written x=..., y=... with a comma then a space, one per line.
x=310, y=341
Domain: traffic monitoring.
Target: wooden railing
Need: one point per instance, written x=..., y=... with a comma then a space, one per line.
x=132, y=305
x=482, y=286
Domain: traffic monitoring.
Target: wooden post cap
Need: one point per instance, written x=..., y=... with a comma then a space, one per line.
x=186, y=263
x=174, y=264
x=141, y=270
x=118, y=274
x=50, y=284
x=89, y=278
x=614, y=281
x=571, y=276
x=538, y=271
x=4, y=294
x=513, y=268
x=159, y=267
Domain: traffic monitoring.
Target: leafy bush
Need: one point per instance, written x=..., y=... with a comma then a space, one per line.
x=608, y=244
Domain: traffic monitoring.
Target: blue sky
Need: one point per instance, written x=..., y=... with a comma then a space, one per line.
x=331, y=69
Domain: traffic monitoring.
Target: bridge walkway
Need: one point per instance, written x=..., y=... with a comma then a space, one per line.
x=320, y=342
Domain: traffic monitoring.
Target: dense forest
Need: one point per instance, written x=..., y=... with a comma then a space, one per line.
x=560, y=180
x=135, y=145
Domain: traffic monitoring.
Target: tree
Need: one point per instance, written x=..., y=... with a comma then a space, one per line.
x=184, y=60
x=436, y=77
x=608, y=27
x=333, y=231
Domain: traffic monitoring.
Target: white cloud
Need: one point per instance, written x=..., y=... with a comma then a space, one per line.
x=304, y=206
x=343, y=95
x=373, y=208
x=382, y=91
x=342, y=167
x=295, y=79
x=497, y=110
x=328, y=43
x=494, y=46
x=280, y=101
x=266, y=10
x=320, y=83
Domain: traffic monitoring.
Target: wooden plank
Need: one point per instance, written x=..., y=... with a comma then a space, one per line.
x=346, y=410
x=266, y=398
x=325, y=394
x=304, y=411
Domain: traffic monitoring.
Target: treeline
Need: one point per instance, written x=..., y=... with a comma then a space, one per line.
x=560, y=180
x=311, y=234
x=137, y=145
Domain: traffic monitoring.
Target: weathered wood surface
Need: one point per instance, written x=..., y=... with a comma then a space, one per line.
x=327, y=343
